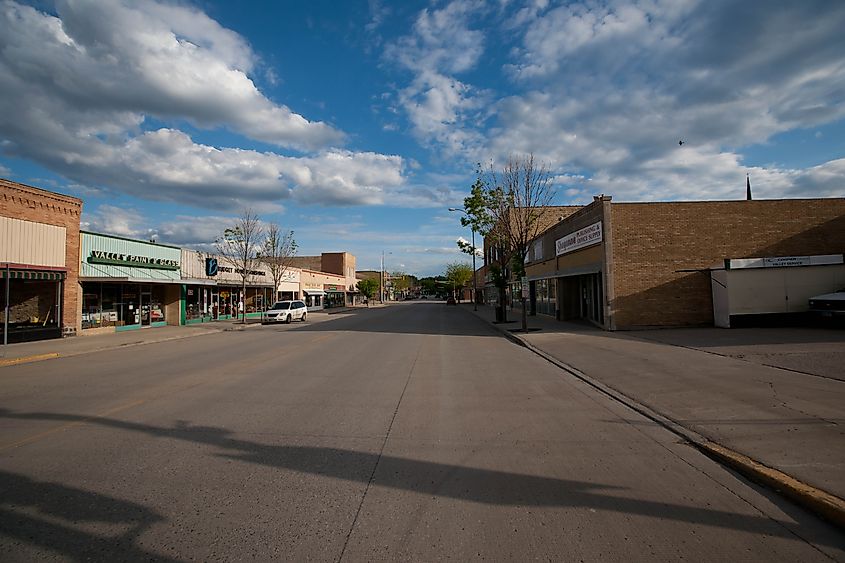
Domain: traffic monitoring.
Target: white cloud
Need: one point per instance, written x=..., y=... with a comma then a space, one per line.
x=100, y=68
x=439, y=106
x=609, y=88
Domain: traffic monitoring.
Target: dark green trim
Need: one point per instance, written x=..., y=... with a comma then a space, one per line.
x=126, y=327
x=158, y=323
x=32, y=275
x=183, y=300
x=144, y=265
x=131, y=240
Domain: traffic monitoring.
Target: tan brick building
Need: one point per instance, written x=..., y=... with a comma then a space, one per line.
x=636, y=265
x=39, y=247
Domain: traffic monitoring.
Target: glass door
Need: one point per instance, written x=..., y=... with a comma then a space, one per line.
x=146, y=297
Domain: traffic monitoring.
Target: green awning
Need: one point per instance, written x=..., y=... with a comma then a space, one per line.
x=38, y=275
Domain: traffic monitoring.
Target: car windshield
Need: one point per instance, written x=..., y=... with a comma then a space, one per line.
x=280, y=305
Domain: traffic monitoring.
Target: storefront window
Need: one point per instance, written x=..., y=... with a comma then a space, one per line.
x=157, y=300
x=33, y=309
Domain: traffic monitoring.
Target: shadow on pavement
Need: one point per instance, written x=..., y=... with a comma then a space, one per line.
x=49, y=515
x=405, y=318
x=485, y=486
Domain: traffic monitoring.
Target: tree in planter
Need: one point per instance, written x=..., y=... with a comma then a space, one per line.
x=277, y=254
x=458, y=274
x=508, y=208
x=239, y=246
x=368, y=288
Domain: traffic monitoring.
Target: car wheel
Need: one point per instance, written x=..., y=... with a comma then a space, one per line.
x=288, y=319
x=303, y=317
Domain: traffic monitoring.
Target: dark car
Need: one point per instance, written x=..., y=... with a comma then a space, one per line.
x=829, y=304
x=451, y=301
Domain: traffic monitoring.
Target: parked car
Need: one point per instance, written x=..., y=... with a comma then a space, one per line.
x=451, y=301
x=286, y=311
x=829, y=304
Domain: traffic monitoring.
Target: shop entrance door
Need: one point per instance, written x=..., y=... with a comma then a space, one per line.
x=146, y=297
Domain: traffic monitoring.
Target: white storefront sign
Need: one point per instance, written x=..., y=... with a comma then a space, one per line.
x=785, y=261
x=579, y=239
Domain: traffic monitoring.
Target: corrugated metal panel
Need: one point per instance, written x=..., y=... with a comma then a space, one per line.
x=26, y=242
x=135, y=248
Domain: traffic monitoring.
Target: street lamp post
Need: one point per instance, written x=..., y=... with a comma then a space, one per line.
x=474, y=275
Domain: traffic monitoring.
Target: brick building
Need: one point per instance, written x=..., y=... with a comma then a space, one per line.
x=39, y=248
x=636, y=265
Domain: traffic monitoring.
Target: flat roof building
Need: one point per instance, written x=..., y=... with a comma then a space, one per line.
x=661, y=264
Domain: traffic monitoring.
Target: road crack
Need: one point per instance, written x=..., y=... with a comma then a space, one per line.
x=380, y=454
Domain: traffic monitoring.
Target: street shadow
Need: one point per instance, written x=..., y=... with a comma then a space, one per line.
x=485, y=486
x=413, y=317
x=49, y=516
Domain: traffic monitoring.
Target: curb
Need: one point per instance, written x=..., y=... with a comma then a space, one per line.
x=28, y=359
x=828, y=506
x=53, y=355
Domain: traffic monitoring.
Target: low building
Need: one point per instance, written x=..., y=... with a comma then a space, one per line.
x=213, y=288
x=639, y=265
x=128, y=284
x=341, y=265
x=39, y=263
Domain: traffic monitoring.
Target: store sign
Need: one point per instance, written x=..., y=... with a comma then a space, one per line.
x=229, y=270
x=118, y=259
x=579, y=239
x=784, y=261
x=211, y=266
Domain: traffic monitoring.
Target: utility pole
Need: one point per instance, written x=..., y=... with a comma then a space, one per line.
x=6, y=315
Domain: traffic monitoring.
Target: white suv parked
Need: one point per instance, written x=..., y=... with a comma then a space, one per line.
x=286, y=311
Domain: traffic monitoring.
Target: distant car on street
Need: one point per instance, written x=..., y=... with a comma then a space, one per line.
x=829, y=304
x=451, y=301
x=286, y=311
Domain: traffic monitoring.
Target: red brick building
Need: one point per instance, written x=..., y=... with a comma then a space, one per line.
x=39, y=248
x=637, y=265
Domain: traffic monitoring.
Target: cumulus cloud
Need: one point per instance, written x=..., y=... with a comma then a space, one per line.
x=100, y=68
x=441, y=45
x=79, y=87
x=609, y=88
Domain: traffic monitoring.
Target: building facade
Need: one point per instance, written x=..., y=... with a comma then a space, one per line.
x=39, y=250
x=639, y=265
x=128, y=284
x=213, y=288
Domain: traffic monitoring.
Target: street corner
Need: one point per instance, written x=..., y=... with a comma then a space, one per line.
x=27, y=359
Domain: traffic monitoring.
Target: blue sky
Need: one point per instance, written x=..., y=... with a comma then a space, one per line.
x=358, y=124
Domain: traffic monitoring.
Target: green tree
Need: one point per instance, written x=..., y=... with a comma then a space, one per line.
x=507, y=208
x=368, y=288
x=458, y=274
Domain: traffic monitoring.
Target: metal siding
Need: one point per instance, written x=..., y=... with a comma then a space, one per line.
x=91, y=242
x=27, y=242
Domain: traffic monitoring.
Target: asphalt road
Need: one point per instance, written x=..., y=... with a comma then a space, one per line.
x=410, y=432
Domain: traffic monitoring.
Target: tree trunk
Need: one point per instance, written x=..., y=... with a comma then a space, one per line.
x=503, y=296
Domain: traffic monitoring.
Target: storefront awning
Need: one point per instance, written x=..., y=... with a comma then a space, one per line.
x=33, y=275
x=336, y=291
x=314, y=292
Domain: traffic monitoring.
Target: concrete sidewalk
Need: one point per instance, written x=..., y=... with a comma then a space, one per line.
x=63, y=347
x=46, y=349
x=721, y=384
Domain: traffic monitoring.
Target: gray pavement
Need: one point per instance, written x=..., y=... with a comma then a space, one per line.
x=740, y=388
x=411, y=432
x=106, y=341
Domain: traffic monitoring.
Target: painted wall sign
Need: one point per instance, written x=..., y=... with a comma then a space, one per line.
x=229, y=270
x=118, y=259
x=211, y=266
x=579, y=239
